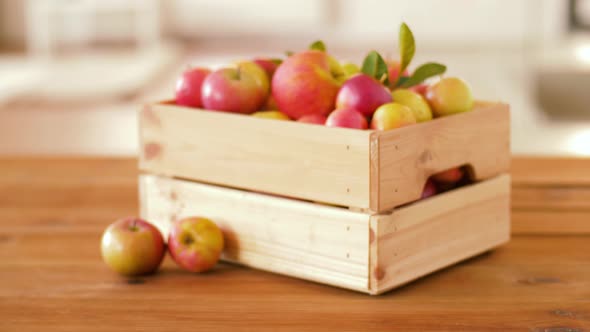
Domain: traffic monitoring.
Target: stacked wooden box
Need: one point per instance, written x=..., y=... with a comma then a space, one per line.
x=332, y=205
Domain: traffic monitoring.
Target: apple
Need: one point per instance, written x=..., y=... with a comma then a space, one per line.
x=269, y=65
x=415, y=102
x=393, y=71
x=188, y=87
x=195, y=243
x=276, y=115
x=419, y=88
x=449, y=96
x=270, y=104
x=313, y=119
x=259, y=74
x=363, y=93
x=232, y=90
x=132, y=246
x=392, y=115
x=429, y=189
x=350, y=69
x=452, y=175
x=305, y=84
x=347, y=118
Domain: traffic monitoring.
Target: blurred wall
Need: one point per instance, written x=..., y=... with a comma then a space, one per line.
x=435, y=22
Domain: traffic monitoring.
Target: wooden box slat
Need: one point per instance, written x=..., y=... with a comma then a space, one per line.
x=371, y=253
x=367, y=169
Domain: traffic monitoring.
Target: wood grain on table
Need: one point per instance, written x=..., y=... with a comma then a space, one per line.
x=52, y=213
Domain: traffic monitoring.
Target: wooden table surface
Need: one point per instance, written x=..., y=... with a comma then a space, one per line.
x=52, y=213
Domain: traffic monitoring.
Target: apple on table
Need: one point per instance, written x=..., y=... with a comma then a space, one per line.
x=232, y=90
x=132, y=246
x=195, y=243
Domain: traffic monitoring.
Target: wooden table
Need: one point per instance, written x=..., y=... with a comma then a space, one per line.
x=52, y=213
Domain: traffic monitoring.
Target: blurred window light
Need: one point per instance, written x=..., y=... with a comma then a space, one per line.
x=579, y=143
x=583, y=53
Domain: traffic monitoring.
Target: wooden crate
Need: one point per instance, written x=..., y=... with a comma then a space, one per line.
x=361, y=251
x=362, y=169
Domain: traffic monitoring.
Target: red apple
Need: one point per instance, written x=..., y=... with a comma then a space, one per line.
x=232, y=90
x=393, y=71
x=452, y=175
x=188, y=87
x=305, y=83
x=429, y=189
x=363, y=93
x=132, y=246
x=313, y=119
x=195, y=243
x=347, y=118
x=269, y=66
x=420, y=89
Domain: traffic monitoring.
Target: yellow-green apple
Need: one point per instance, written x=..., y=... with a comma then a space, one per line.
x=362, y=93
x=188, y=87
x=305, y=84
x=393, y=67
x=275, y=115
x=452, y=175
x=258, y=73
x=195, y=243
x=350, y=69
x=313, y=119
x=392, y=115
x=449, y=96
x=269, y=66
x=429, y=189
x=415, y=102
x=347, y=118
x=232, y=90
x=132, y=246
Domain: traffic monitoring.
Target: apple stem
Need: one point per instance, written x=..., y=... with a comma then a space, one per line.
x=239, y=72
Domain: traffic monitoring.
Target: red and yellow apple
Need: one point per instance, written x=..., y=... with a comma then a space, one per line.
x=132, y=246
x=362, y=93
x=274, y=115
x=449, y=96
x=195, y=243
x=269, y=66
x=415, y=102
x=305, y=84
x=391, y=116
x=188, y=87
x=232, y=90
x=452, y=175
x=258, y=73
x=393, y=68
x=347, y=118
x=313, y=119
x=429, y=189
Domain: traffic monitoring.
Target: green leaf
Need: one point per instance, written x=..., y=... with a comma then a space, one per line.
x=318, y=45
x=423, y=72
x=375, y=66
x=402, y=80
x=407, y=46
x=276, y=61
x=289, y=53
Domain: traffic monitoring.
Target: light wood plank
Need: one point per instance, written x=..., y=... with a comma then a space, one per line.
x=406, y=157
x=310, y=241
x=551, y=197
x=544, y=171
x=550, y=222
x=431, y=234
x=280, y=157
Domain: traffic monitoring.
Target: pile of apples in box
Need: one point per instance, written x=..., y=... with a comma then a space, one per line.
x=310, y=87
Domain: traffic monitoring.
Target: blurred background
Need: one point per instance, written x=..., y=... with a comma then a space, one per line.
x=73, y=72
